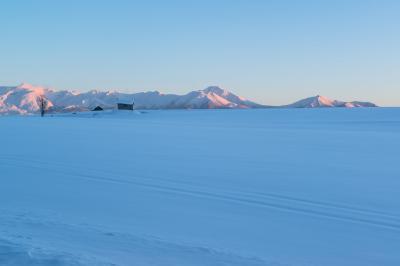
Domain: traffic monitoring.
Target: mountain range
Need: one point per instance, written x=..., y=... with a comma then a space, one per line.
x=23, y=99
x=322, y=101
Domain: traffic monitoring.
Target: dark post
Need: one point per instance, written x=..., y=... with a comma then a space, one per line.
x=42, y=105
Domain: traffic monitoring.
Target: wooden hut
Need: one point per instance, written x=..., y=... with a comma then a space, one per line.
x=125, y=103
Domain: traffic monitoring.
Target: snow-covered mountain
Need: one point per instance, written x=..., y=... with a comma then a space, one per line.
x=322, y=101
x=209, y=98
x=23, y=99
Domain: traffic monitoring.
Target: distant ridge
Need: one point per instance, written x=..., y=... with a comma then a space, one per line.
x=22, y=99
x=322, y=101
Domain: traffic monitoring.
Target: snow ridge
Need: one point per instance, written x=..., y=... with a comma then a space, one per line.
x=322, y=101
x=23, y=99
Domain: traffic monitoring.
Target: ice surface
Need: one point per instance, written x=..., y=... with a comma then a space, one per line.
x=204, y=187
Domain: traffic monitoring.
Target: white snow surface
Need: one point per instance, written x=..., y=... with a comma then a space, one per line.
x=201, y=187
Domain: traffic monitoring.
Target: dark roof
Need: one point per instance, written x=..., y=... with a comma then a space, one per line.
x=98, y=108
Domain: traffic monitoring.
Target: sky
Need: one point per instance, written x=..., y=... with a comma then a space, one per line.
x=270, y=51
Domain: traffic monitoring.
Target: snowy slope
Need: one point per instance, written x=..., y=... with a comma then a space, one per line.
x=322, y=101
x=23, y=99
x=191, y=187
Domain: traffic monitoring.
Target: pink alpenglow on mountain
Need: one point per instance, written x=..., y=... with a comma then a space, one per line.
x=23, y=100
x=322, y=101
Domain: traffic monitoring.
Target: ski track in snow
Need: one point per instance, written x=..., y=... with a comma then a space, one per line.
x=201, y=188
x=281, y=202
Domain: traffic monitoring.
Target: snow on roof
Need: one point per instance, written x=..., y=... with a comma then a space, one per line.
x=126, y=99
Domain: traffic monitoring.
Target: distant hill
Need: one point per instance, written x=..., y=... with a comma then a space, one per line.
x=23, y=100
x=322, y=101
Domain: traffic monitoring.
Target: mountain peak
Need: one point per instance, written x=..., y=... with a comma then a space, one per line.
x=215, y=89
x=321, y=97
x=32, y=88
x=25, y=85
x=323, y=101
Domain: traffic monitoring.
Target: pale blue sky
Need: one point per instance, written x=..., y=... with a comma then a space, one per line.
x=273, y=52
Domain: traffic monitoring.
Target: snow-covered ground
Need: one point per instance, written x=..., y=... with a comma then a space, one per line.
x=206, y=187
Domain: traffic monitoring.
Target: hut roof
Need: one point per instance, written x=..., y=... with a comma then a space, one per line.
x=125, y=99
x=98, y=108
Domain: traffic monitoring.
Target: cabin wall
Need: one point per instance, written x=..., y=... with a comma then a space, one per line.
x=124, y=106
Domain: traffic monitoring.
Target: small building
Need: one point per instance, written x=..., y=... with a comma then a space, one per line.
x=125, y=103
x=124, y=106
x=98, y=108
